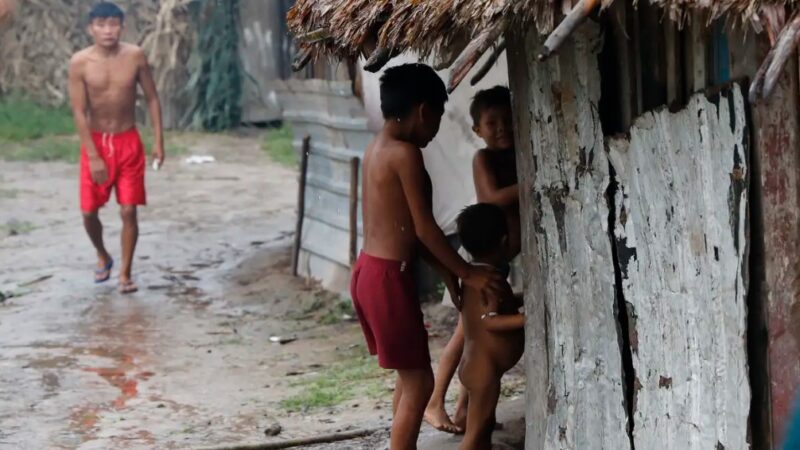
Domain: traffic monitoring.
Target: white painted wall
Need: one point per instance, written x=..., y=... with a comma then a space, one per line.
x=449, y=157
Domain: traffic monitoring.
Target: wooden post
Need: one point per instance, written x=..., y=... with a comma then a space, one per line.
x=354, y=166
x=301, y=203
x=574, y=390
x=776, y=141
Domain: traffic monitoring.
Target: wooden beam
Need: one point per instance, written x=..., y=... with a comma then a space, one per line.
x=757, y=85
x=673, y=69
x=784, y=48
x=470, y=56
x=355, y=163
x=444, y=61
x=320, y=34
x=302, y=59
x=697, y=44
x=576, y=17
x=301, y=204
x=623, y=45
x=777, y=139
x=490, y=62
x=379, y=58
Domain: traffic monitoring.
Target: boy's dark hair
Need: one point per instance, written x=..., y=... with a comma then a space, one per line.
x=106, y=10
x=488, y=98
x=481, y=228
x=404, y=87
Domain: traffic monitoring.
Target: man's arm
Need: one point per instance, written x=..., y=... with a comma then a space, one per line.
x=410, y=169
x=145, y=76
x=78, y=101
x=486, y=184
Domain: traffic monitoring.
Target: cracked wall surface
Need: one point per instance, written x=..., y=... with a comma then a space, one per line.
x=682, y=205
x=575, y=389
x=636, y=286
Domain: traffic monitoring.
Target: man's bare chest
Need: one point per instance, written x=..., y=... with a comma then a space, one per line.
x=103, y=78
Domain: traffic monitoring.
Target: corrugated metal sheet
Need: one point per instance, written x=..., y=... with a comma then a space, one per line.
x=335, y=119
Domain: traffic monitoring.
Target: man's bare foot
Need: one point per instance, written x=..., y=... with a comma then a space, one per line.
x=437, y=418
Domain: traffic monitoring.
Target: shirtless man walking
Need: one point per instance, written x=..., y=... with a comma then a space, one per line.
x=102, y=88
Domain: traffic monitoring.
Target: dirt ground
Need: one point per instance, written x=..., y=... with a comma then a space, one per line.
x=187, y=362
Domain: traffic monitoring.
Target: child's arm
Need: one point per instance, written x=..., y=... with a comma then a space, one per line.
x=486, y=185
x=500, y=322
x=411, y=169
x=449, y=278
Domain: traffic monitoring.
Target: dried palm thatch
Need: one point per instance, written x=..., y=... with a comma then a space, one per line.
x=42, y=36
x=429, y=27
x=169, y=46
x=458, y=32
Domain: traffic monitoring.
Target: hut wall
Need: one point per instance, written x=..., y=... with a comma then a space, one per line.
x=573, y=358
x=680, y=231
x=777, y=141
x=335, y=119
x=636, y=262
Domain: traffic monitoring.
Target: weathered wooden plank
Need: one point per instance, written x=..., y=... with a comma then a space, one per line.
x=572, y=341
x=680, y=229
x=777, y=140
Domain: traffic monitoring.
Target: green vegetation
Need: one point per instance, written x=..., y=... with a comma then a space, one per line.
x=33, y=132
x=16, y=228
x=340, y=383
x=216, y=83
x=278, y=145
x=337, y=312
x=22, y=119
x=50, y=148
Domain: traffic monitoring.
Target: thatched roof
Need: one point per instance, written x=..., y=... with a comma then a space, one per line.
x=446, y=29
x=432, y=26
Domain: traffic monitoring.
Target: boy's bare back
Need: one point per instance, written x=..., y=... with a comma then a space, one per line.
x=388, y=224
x=107, y=85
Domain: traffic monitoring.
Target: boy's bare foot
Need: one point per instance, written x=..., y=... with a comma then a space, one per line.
x=437, y=418
x=460, y=418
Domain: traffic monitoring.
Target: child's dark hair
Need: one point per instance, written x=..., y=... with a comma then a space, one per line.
x=481, y=228
x=498, y=96
x=404, y=87
x=106, y=10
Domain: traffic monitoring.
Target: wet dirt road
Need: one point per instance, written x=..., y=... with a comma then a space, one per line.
x=186, y=362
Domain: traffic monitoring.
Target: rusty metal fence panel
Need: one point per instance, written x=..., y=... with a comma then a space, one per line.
x=334, y=118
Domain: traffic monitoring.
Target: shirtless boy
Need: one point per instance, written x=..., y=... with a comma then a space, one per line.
x=102, y=88
x=398, y=225
x=493, y=327
x=494, y=170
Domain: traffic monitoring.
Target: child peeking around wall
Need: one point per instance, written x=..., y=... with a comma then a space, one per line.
x=493, y=326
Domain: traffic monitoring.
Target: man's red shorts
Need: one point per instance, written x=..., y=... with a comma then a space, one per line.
x=124, y=156
x=385, y=300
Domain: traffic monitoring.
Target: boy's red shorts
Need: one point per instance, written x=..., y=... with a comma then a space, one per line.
x=124, y=156
x=385, y=300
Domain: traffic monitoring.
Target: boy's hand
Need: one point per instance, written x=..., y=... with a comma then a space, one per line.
x=486, y=280
x=98, y=169
x=158, y=154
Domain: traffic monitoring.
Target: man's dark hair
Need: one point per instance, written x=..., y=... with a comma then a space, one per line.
x=404, y=87
x=106, y=10
x=498, y=96
x=481, y=228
